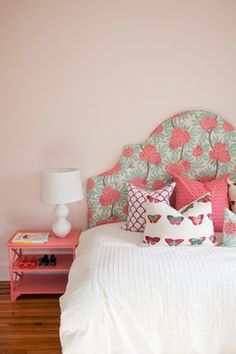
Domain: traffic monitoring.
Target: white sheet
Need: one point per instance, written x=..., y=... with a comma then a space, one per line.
x=125, y=299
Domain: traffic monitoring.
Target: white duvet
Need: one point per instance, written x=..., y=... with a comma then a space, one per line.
x=123, y=298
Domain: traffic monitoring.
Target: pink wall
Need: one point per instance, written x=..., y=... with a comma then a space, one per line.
x=79, y=78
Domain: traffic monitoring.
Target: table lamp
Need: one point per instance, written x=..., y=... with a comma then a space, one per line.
x=61, y=186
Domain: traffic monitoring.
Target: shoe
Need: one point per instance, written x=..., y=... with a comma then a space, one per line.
x=43, y=261
x=24, y=262
x=53, y=261
x=32, y=263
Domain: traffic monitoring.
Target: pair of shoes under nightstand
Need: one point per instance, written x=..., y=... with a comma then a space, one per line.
x=46, y=261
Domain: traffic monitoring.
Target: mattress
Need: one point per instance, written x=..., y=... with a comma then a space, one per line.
x=123, y=298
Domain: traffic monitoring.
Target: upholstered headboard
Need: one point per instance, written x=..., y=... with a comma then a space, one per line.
x=197, y=143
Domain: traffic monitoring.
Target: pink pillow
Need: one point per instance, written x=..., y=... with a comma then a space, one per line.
x=187, y=190
x=137, y=204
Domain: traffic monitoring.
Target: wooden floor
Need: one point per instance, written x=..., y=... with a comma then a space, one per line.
x=30, y=325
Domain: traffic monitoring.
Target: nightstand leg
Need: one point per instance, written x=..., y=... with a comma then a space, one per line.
x=13, y=255
x=11, y=260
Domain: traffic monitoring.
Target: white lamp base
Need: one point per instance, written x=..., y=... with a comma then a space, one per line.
x=61, y=226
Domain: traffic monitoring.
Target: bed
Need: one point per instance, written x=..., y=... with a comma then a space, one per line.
x=123, y=297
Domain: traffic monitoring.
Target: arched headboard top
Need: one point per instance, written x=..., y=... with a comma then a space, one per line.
x=196, y=143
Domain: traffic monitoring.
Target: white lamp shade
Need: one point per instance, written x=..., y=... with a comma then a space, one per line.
x=60, y=186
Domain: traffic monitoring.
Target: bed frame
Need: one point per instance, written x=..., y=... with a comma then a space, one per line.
x=196, y=143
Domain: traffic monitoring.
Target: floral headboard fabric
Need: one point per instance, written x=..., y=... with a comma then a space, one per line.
x=197, y=143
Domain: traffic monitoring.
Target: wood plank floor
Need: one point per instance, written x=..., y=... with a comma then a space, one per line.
x=30, y=325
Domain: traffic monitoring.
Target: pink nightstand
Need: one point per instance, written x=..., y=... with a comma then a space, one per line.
x=41, y=280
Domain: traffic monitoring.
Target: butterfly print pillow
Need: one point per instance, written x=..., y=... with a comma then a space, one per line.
x=190, y=226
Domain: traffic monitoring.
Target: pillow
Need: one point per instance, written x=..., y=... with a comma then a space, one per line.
x=192, y=225
x=219, y=238
x=229, y=229
x=137, y=204
x=187, y=190
x=232, y=195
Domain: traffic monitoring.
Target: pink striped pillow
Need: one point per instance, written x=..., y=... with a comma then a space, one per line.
x=187, y=190
x=137, y=204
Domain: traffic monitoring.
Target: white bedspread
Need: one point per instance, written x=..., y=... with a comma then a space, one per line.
x=125, y=299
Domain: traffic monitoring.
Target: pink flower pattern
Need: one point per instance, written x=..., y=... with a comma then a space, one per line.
x=150, y=154
x=178, y=167
x=128, y=152
x=208, y=123
x=158, y=184
x=90, y=183
x=109, y=196
x=197, y=151
x=220, y=153
x=228, y=127
x=139, y=182
x=179, y=138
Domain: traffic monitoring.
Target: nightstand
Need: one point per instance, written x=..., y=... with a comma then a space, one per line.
x=41, y=279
